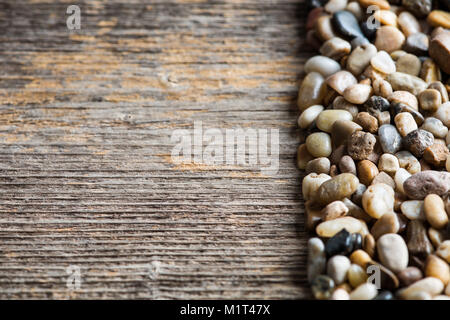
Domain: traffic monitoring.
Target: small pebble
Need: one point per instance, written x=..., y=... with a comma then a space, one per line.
x=356, y=275
x=383, y=62
x=405, y=123
x=400, y=177
x=367, y=122
x=436, y=127
x=361, y=145
x=388, y=223
x=406, y=82
x=437, y=85
x=334, y=210
x=316, y=263
x=443, y=114
x=337, y=188
x=356, y=9
x=417, y=141
x=417, y=44
x=408, y=23
x=337, y=268
x=439, y=18
x=404, y=97
x=308, y=116
x=318, y=165
x=311, y=183
x=421, y=184
x=360, y=58
x=322, y=287
x=327, y=118
x=340, y=294
x=436, y=236
x=341, y=80
x=366, y=291
x=346, y=24
x=430, y=285
x=390, y=138
x=323, y=28
x=375, y=105
x=369, y=245
x=312, y=91
x=420, y=8
x=303, y=156
x=389, y=39
x=409, y=275
x=339, y=244
x=430, y=100
x=392, y=252
x=383, y=177
x=388, y=163
x=382, y=88
x=335, y=48
x=378, y=200
x=430, y=72
x=436, y=154
x=408, y=161
x=346, y=164
x=435, y=211
x=386, y=17
x=437, y=268
x=443, y=250
x=323, y=65
x=357, y=93
x=409, y=63
x=319, y=144
x=327, y=229
x=367, y=171
x=413, y=209
x=440, y=51
x=418, y=242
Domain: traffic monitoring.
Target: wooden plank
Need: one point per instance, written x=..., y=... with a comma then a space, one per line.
x=86, y=176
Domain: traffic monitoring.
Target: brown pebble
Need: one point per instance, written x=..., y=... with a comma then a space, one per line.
x=318, y=165
x=313, y=215
x=430, y=100
x=334, y=170
x=437, y=268
x=360, y=145
x=303, y=156
x=312, y=91
x=434, y=208
x=367, y=122
x=389, y=39
x=342, y=130
x=367, y=171
x=418, y=242
x=346, y=164
x=361, y=258
x=324, y=28
x=334, y=210
x=369, y=245
x=436, y=236
x=383, y=177
x=338, y=153
x=388, y=223
x=417, y=141
x=440, y=51
x=409, y=276
x=430, y=71
x=436, y=154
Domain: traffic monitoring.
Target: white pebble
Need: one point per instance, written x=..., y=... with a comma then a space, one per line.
x=413, y=209
x=309, y=116
x=383, y=62
x=337, y=268
x=323, y=65
x=366, y=291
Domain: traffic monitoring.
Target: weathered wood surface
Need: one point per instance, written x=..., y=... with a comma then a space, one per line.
x=86, y=177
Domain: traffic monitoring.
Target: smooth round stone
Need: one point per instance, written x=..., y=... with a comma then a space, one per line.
x=339, y=187
x=404, y=97
x=335, y=48
x=361, y=258
x=366, y=291
x=333, y=6
x=430, y=100
x=378, y=200
x=439, y=18
x=311, y=184
x=383, y=62
x=339, y=244
x=346, y=164
x=437, y=85
x=337, y=268
x=419, y=8
x=342, y=130
x=319, y=144
x=400, y=177
x=398, y=107
x=316, y=262
x=409, y=275
x=388, y=163
x=430, y=285
x=341, y=80
x=360, y=58
x=413, y=209
x=387, y=224
x=421, y=184
x=357, y=93
x=435, y=211
x=324, y=29
x=443, y=250
x=367, y=122
x=386, y=17
x=340, y=294
x=309, y=116
x=390, y=138
x=408, y=161
x=408, y=23
x=327, y=118
x=356, y=275
x=303, y=156
x=367, y=171
x=327, y=229
x=437, y=268
x=440, y=51
x=389, y=39
x=417, y=44
x=323, y=65
x=409, y=63
x=334, y=210
x=405, y=123
x=417, y=141
x=382, y=88
x=406, y=82
x=318, y=165
x=393, y=252
x=346, y=24
x=312, y=91
x=443, y=114
x=322, y=287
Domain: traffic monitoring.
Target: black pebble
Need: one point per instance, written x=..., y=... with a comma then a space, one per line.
x=340, y=243
x=375, y=105
x=368, y=32
x=346, y=24
x=356, y=241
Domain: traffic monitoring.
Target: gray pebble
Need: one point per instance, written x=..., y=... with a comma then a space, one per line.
x=390, y=138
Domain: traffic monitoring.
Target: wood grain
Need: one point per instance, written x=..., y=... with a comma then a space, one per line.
x=86, y=176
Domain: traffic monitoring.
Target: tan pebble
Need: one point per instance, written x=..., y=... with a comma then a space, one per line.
x=356, y=275
x=405, y=82
x=367, y=122
x=339, y=103
x=312, y=91
x=435, y=211
x=437, y=85
x=341, y=80
x=361, y=258
x=357, y=93
x=409, y=63
x=327, y=118
x=335, y=48
x=413, y=209
x=388, y=223
x=430, y=100
x=437, y=268
x=408, y=23
x=367, y=171
x=355, y=8
x=386, y=17
x=339, y=187
x=323, y=65
x=430, y=285
x=382, y=4
x=303, y=157
x=355, y=211
x=436, y=236
x=436, y=154
x=389, y=39
x=369, y=245
x=400, y=177
x=378, y=200
x=408, y=161
x=360, y=58
x=366, y=291
x=346, y=164
x=383, y=62
x=324, y=28
x=319, y=144
x=334, y=210
x=430, y=71
x=382, y=88
x=388, y=163
x=327, y=229
x=443, y=250
x=340, y=294
x=311, y=184
x=405, y=123
x=383, y=177
x=439, y=18
x=309, y=116
x=406, y=98
x=318, y=165
x=393, y=252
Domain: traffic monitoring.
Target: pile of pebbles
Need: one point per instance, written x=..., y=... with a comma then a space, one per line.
x=375, y=116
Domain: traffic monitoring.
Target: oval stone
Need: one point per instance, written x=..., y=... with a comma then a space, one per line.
x=393, y=252
x=327, y=118
x=339, y=187
x=421, y=184
x=323, y=65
